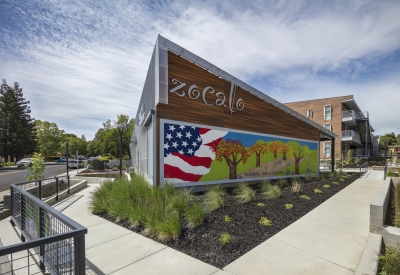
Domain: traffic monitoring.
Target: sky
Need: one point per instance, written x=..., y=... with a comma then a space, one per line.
x=83, y=62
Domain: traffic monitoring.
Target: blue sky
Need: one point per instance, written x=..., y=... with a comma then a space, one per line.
x=83, y=62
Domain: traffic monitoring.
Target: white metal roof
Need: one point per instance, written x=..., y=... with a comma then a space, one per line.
x=165, y=43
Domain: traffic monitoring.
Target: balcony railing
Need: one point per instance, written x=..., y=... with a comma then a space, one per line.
x=350, y=135
x=357, y=153
x=362, y=115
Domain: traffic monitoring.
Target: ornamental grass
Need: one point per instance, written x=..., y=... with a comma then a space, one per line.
x=244, y=193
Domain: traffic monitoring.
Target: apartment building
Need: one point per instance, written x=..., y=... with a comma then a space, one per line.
x=344, y=117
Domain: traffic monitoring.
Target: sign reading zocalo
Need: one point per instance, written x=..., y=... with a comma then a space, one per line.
x=194, y=93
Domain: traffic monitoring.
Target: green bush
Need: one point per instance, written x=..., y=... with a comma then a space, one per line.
x=227, y=219
x=335, y=182
x=289, y=206
x=304, y=197
x=225, y=238
x=195, y=215
x=390, y=262
x=265, y=185
x=391, y=174
x=264, y=221
x=260, y=204
x=273, y=192
x=282, y=183
x=244, y=193
x=327, y=186
x=308, y=178
x=214, y=199
x=317, y=191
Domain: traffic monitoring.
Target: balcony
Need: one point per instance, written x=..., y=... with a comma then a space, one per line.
x=351, y=136
x=358, y=153
x=349, y=117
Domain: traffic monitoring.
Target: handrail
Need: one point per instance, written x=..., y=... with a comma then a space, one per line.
x=363, y=169
x=385, y=170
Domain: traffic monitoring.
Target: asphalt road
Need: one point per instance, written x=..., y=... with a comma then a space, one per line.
x=16, y=175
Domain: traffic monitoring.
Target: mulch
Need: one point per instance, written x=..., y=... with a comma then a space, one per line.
x=203, y=242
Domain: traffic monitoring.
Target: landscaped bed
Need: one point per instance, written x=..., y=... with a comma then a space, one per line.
x=219, y=236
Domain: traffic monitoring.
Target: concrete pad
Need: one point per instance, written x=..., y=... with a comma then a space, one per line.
x=120, y=252
x=103, y=233
x=332, y=245
x=89, y=220
x=368, y=264
x=275, y=257
x=169, y=261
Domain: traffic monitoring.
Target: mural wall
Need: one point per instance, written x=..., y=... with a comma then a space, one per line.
x=193, y=153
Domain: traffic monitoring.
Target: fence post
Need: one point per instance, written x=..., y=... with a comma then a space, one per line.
x=56, y=189
x=79, y=254
x=22, y=216
x=68, y=184
x=41, y=235
x=40, y=190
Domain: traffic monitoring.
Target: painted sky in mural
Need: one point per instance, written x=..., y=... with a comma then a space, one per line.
x=202, y=154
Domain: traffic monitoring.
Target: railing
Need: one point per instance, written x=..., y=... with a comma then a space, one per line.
x=55, y=241
x=348, y=115
x=350, y=135
x=363, y=169
x=46, y=188
x=362, y=115
x=385, y=170
x=357, y=153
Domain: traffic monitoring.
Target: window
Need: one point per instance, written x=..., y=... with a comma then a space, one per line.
x=327, y=112
x=328, y=126
x=327, y=149
x=309, y=113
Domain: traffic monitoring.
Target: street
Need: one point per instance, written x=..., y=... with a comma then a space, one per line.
x=16, y=175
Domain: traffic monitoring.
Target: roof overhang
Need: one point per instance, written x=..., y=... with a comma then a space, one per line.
x=351, y=104
x=171, y=46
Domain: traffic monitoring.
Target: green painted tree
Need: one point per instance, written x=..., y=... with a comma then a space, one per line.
x=37, y=169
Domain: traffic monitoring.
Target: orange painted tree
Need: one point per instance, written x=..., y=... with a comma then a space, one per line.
x=298, y=153
x=233, y=152
x=274, y=147
x=284, y=149
x=258, y=149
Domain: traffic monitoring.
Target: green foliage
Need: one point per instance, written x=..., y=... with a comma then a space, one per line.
x=397, y=205
x=304, y=197
x=387, y=140
x=244, y=193
x=264, y=221
x=391, y=174
x=273, y=192
x=260, y=204
x=282, y=183
x=49, y=138
x=168, y=228
x=296, y=187
x=390, y=261
x=335, y=182
x=214, y=199
x=308, y=178
x=4, y=164
x=327, y=186
x=342, y=179
x=289, y=206
x=265, y=185
x=194, y=215
x=225, y=238
x=37, y=169
x=227, y=219
x=317, y=191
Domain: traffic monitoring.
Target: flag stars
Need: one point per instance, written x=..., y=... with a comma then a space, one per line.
x=172, y=128
x=190, y=151
x=179, y=135
x=169, y=136
x=184, y=143
x=175, y=144
x=166, y=146
x=182, y=127
x=180, y=152
x=199, y=139
x=188, y=134
x=194, y=144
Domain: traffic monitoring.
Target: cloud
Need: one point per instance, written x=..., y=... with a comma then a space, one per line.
x=82, y=63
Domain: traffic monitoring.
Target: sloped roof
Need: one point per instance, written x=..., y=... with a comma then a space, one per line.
x=167, y=44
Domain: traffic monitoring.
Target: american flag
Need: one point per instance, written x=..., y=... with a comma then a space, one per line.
x=187, y=154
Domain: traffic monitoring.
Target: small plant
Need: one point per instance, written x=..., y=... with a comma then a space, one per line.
x=335, y=182
x=194, y=215
x=227, y=219
x=342, y=179
x=327, y=186
x=296, y=187
x=225, y=238
x=264, y=221
x=304, y=197
x=317, y=191
x=169, y=228
x=273, y=192
x=289, y=206
x=260, y=204
x=245, y=194
x=37, y=169
x=390, y=262
x=214, y=199
x=282, y=183
x=265, y=185
x=391, y=174
x=308, y=178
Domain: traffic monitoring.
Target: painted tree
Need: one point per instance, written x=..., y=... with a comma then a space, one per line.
x=233, y=152
x=299, y=153
x=284, y=149
x=258, y=149
x=274, y=147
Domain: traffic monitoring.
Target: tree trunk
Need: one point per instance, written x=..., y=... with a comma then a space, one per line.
x=297, y=167
x=232, y=170
x=284, y=155
x=258, y=162
x=275, y=154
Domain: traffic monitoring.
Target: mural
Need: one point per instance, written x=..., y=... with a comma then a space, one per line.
x=207, y=154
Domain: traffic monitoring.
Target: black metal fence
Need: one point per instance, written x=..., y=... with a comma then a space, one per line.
x=363, y=169
x=55, y=241
x=46, y=188
x=385, y=170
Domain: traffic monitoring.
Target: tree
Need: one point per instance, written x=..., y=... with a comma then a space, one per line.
x=16, y=125
x=298, y=153
x=274, y=147
x=37, y=170
x=388, y=139
x=398, y=139
x=258, y=149
x=233, y=152
x=49, y=138
x=284, y=149
x=77, y=144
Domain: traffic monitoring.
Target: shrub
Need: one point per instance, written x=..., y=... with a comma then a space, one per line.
x=265, y=185
x=273, y=193
x=225, y=238
x=391, y=174
x=296, y=187
x=244, y=193
x=180, y=202
x=308, y=178
x=327, y=186
x=390, y=262
x=304, y=197
x=227, y=219
x=282, y=183
x=265, y=221
x=317, y=191
x=289, y=206
x=260, y=204
x=169, y=228
x=195, y=215
x=214, y=199
x=335, y=182
x=342, y=179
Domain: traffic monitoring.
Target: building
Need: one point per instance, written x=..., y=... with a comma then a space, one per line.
x=197, y=125
x=394, y=150
x=344, y=117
